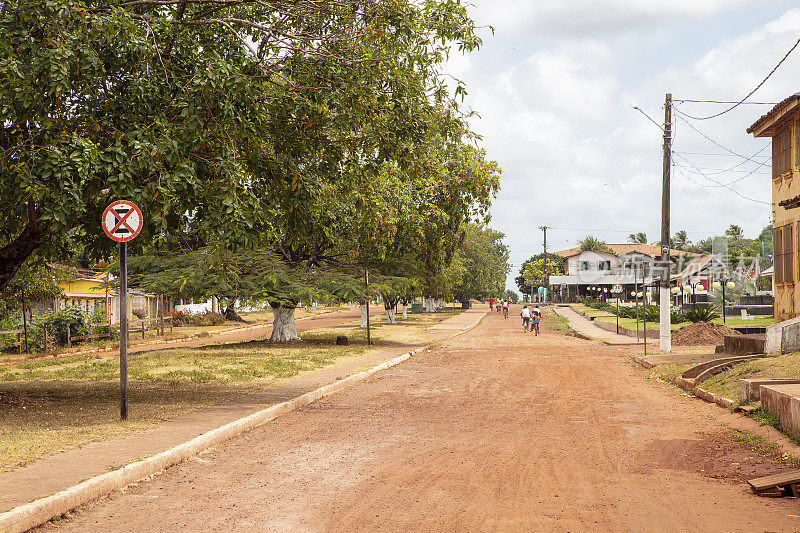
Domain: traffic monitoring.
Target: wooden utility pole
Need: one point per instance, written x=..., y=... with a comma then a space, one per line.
x=665, y=333
x=546, y=276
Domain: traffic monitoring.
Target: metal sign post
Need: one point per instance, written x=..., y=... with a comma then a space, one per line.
x=617, y=289
x=121, y=222
x=366, y=287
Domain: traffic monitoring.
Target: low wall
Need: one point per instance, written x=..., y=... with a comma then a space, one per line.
x=783, y=337
x=743, y=344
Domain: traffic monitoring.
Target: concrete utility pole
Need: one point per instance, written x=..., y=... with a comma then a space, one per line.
x=665, y=333
x=546, y=276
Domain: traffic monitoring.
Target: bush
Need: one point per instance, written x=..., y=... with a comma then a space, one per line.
x=209, y=318
x=57, y=323
x=179, y=318
x=701, y=313
x=677, y=316
x=138, y=313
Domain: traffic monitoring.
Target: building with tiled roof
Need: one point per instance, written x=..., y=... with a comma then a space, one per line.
x=629, y=265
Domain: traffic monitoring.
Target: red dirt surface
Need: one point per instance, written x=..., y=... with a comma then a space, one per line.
x=493, y=430
x=701, y=333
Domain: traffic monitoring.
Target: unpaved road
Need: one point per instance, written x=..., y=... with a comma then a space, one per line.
x=493, y=430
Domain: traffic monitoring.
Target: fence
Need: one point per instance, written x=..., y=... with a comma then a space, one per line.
x=18, y=333
x=158, y=324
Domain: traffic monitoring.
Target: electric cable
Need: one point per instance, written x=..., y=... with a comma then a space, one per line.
x=740, y=102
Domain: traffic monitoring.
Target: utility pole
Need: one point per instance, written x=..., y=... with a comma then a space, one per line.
x=546, y=276
x=665, y=333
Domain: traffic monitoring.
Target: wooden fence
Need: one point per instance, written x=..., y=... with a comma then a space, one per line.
x=158, y=324
x=18, y=344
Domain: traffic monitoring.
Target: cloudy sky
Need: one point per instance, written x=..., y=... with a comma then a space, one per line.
x=554, y=87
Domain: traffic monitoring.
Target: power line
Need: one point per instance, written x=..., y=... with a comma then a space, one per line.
x=722, y=185
x=716, y=153
x=718, y=144
x=724, y=102
x=740, y=102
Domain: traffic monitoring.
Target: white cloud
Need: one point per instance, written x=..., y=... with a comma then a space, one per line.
x=555, y=113
x=577, y=17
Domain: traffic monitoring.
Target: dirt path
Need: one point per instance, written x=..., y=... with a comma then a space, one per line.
x=493, y=430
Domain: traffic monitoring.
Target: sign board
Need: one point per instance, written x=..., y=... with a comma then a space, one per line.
x=122, y=221
x=616, y=288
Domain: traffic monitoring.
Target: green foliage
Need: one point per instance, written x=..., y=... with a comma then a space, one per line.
x=591, y=243
x=512, y=296
x=701, y=313
x=229, y=134
x=57, y=321
x=535, y=268
x=639, y=238
x=483, y=259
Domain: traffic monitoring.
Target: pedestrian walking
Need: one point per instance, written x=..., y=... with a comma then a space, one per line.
x=491, y=304
x=526, y=318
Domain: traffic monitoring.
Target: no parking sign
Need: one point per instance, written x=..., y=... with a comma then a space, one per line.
x=122, y=221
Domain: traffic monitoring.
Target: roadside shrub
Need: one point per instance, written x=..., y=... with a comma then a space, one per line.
x=701, y=313
x=138, y=313
x=179, y=317
x=209, y=318
x=57, y=323
x=677, y=316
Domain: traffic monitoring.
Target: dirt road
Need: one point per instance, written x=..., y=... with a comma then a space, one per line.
x=493, y=430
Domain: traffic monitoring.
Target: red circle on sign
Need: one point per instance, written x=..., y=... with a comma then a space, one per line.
x=122, y=221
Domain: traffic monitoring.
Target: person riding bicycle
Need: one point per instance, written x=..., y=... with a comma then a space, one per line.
x=505, y=309
x=526, y=317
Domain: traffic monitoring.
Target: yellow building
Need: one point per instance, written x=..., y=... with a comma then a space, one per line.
x=87, y=290
x=782, y=124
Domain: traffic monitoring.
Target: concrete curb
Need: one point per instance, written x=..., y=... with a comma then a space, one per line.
x=38, y=512
x=713, y=398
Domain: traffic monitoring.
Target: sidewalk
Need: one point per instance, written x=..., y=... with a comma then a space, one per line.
x=584, y=326
x=63, y=470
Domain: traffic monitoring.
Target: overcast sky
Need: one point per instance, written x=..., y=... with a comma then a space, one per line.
x=554, y=88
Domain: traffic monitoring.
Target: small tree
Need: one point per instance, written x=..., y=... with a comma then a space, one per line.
x=593, y=244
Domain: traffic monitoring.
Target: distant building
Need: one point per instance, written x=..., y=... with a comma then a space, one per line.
x=782, y=124
x=589, y=273
x=89, y=290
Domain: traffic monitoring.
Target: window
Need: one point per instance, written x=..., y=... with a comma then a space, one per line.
x=777, y=254
x=782, y=151
x=583, y=265
x=788, y=256
x=797, y=142
x=604, y=265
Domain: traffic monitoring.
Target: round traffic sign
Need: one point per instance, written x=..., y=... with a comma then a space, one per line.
x=122, y=221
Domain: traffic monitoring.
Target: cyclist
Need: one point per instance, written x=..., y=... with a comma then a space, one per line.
x=505, y=309
x=526, y=317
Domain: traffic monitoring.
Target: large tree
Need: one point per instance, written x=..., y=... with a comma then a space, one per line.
x=225, y=120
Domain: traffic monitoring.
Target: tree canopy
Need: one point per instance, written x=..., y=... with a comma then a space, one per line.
x=242, y=125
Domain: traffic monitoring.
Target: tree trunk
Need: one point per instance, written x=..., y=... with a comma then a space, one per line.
x=405, y=310
x=390, y=316
x=283, y=328
x=17, y=251
x=363, y=324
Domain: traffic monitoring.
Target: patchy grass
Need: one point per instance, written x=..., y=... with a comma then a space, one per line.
x=39, y=418
x=727, y=383
x=47, y=405
x=762, y=446
x=667, y=373
x=556, y=323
